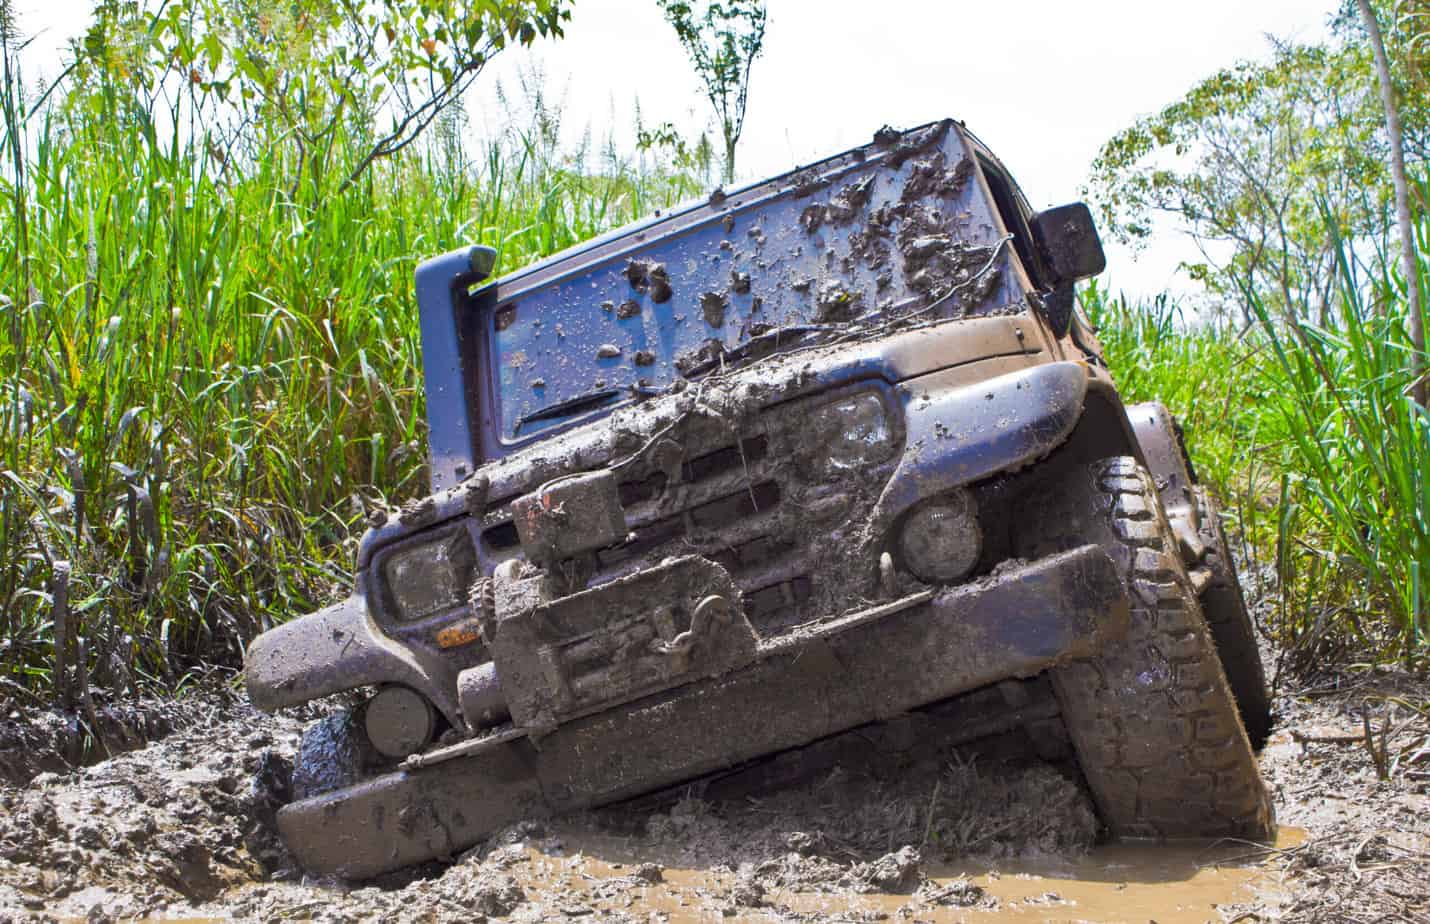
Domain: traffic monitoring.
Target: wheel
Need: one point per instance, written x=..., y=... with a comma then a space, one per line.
x=1224, y=607
x=332, y=754
x=1152, y=720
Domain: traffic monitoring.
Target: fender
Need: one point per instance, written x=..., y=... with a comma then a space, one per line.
x=1161, y=440
x=961, y=435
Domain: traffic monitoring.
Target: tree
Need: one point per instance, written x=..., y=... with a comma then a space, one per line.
x=1257, y=158
x=722, y=39
x=313, y=72
x=674, y=150
x=1410, y=265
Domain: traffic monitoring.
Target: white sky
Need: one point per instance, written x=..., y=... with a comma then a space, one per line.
x=1042, y=82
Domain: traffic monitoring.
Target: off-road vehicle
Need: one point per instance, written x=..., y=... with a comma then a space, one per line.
x=833, y=451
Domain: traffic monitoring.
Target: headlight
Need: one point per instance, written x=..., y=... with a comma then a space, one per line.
x=431, y=577
x=852, y=432
x=942, y=540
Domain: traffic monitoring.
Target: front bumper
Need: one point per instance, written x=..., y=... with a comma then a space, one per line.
x=867, y=666
x=340, y=648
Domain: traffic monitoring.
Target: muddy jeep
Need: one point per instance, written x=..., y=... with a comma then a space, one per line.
x=826, y=453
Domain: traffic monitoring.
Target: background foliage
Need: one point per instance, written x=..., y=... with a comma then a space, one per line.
x=211, y=361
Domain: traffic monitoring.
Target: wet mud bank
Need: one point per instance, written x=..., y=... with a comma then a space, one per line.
x=37, y=739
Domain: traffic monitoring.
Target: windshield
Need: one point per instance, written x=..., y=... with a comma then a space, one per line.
x=867, y=241
x=582, y=359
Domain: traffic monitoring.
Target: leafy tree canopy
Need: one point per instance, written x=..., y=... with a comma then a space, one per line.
x=1258, y=156
x=722, y=39
x=263, y=71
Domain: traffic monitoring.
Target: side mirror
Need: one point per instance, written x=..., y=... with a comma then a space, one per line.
x=482, y=260
x=1068, y=242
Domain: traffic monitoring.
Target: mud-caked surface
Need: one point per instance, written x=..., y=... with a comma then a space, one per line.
x=182, y=828
x=1358, y=810
x=38, y=738
x=181, y=821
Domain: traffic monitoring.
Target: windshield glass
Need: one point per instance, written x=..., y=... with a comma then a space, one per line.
x=613, y=351
x=871, y=239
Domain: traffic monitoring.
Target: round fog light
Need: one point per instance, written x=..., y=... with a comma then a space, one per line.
x=941, y=541
x=399, y=721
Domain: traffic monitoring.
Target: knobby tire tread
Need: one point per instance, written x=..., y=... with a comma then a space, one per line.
x=1152, y=718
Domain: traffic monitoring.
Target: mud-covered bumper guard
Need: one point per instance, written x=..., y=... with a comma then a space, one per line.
x=862, y=667
x=339, y=648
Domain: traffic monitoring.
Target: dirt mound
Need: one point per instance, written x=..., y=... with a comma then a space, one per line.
x=181, y=820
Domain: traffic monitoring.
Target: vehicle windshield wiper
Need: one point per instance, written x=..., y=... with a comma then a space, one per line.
x=587, y=401
x=754, y=347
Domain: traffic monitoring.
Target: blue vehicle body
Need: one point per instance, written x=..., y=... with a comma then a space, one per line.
x=796, y=251
x=683, y=472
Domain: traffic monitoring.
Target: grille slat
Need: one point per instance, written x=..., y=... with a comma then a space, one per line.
x=724, y=506
x=730, y=458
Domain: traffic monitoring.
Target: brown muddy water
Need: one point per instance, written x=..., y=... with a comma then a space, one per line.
x=1129, y=882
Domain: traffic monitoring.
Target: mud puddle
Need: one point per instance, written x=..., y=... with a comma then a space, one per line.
x=1169, y=884
x=577, y=874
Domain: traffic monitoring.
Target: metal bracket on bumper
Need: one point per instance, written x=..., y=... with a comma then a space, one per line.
x=859, y=668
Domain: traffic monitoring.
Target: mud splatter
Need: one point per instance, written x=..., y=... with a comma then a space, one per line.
x=660, y=290
x=712, y=308
x=930, y=178
x=904, y=145
x=835, y=302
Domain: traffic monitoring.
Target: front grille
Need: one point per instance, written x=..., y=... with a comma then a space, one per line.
x=726, y=459
x=745, y=504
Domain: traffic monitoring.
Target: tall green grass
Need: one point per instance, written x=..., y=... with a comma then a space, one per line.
x=1309, y=433
x=209, y=371
x=1356, y=462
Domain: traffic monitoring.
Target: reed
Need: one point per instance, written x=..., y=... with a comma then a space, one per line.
x=210, y=372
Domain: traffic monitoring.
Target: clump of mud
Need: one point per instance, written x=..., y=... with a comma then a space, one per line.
x=856, y=832
x=179, y=821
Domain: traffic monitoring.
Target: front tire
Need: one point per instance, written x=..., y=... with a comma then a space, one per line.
x=1224, y=607
x=1151, y=717
x=333, y=754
